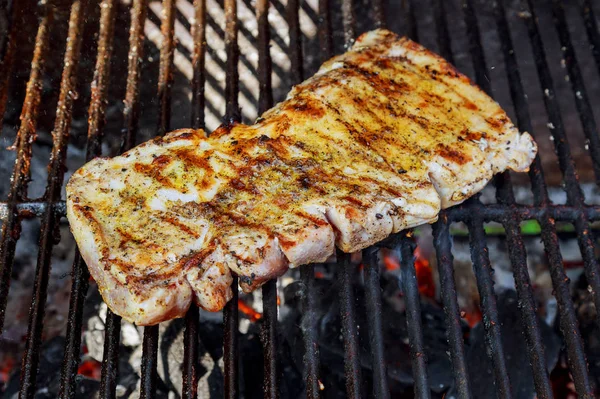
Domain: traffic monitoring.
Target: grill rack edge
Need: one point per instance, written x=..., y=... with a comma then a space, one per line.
x=50, y=208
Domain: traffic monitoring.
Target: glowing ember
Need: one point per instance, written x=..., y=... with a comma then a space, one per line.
x=562, y=382
x=5, y=369
x=424, y=274
x=90, y=368
x=252, y=314
x=569, y=264
x=390, y=263
x=422, y=270
x=472, y=317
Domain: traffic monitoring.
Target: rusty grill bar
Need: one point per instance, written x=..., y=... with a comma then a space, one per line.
x=190, y=378
x=50, y=208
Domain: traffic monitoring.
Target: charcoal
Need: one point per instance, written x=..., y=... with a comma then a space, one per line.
x=515, y=352
x=395, y=341
x=48, y=378
x=590, y=331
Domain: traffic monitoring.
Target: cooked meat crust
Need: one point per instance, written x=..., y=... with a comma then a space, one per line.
x=379, y=140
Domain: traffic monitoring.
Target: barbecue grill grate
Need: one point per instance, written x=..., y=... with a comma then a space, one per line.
x=50, y=208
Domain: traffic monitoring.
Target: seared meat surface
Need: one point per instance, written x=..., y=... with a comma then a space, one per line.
x=379, y=140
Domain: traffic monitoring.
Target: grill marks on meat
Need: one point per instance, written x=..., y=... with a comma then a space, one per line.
x=379, y=140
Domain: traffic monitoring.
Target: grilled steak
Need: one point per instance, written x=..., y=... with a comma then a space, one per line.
x=379, y=140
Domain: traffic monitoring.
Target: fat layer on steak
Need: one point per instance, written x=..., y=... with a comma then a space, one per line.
x=379, y=140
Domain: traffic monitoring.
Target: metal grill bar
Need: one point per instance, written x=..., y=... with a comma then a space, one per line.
x=165, y=77
x=519, y=99
x=492, y=212
x=373, y=289
x=230, y=342
x=491, y=321
x=232, y=109
x=404, y=249
x=443, y=244
x=80, y=274
x=505, y=195
x=475, y=48
x=149, y=363
x=529, y=320
x=11, y=228
x=567, y=165
x=110, y=364
x=591, y=132
x=265, y=98
x=445, y=260
x=345, y=268
x=190, y=353
x=579, y=91
x=348, y=23
x=165, y=72
x=378, y=13
x=199, y=35
x=131, y=107
x=568, y=320
x=374, y=317
x=192, y=318
x=443, y=35
x=349, y=331
x=496, y=212
x=309, y=332
x=7, y=57
x=414, y=326
x=307, y=274
x=412, y=30
x=295, y=51
x=56, y=169
x=30, y=209
x=591, y=27
x=79, y=288
x=100, y=81
x=165, y=81
x=269, y=290
x=110, y=356
x=479, y=251
x=324, y=29
x=269, y=340
x=230, y=313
